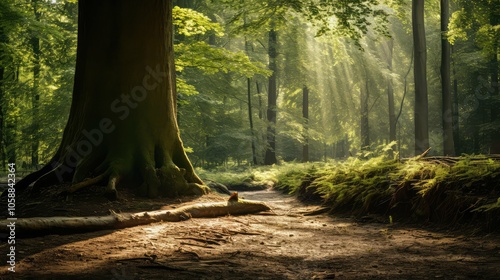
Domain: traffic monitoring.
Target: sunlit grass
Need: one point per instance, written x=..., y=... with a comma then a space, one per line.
x=437, y=189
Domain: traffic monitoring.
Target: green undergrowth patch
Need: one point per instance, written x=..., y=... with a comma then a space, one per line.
x=445, y=190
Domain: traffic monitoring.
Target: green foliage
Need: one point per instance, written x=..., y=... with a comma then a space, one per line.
x=446, y=190
x=193, y=52
x=32, y=110
x=211, y=60
x=189, y=23
x=347, y=18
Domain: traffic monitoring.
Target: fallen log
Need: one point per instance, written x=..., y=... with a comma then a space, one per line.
x=37, y=226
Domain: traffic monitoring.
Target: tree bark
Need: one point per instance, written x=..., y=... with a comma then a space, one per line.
x=270, y=157
x=305, y=116
x=122, y=125
x=447, y=109
x=420, y=76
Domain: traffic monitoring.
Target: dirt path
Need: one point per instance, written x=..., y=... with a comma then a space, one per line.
x=281, y=245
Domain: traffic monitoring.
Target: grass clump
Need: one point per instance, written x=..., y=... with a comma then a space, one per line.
x=448, y=190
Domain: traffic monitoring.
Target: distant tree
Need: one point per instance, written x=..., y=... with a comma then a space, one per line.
x=305, y=116
x=447, y=109
x=420, y=75
x=35, y=96
x=390, y=93
x=272, y=94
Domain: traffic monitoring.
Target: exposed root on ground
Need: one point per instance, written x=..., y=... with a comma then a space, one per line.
x=65, y=225
x=86, y=183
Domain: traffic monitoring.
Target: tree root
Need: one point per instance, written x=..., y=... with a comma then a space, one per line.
x=38, y=226
x=86, y=183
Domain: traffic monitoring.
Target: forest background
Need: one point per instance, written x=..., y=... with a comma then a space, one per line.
x=335, y=96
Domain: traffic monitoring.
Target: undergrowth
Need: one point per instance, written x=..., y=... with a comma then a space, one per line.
x=439, y=189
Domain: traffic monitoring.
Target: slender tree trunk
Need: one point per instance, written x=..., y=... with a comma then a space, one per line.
x=2, y=143
x=390, y=94
x=365, y=124
x=250, y=119
x=261, y=134
x=456, y=126
x=3, y=40
x=250, y=116
x=122, y=129
x=447, y=109
x=270, y=157
x=35, y=98
x=305, y=116
x=10, y=124
x=495, y=92
x=420, y=76
x=259, y=94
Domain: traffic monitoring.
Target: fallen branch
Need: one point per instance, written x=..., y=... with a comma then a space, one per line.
x=65, y=225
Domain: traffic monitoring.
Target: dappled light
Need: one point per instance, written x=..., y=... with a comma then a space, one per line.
x=229, y=139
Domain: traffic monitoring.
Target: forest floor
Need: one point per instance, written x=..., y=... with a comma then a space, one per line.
x=282, y=244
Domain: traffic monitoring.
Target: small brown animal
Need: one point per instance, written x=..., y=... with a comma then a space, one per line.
x=233, y=197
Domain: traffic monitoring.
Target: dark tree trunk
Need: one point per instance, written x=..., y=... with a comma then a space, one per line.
x=305, y=116
x=2, y=144
x=35, y=98
x=3, y=40
x=270, y=157
x=495, y=104
x=456, y=127
x=390, y=94
x=420, y=76
x=447, y=109
x=250, y=119
x=250, y=116
x=122, y=127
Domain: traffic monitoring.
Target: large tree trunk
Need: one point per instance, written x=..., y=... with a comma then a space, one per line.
x=270, y=157
x=420, y=76
x=305, y=116
x=122, y=126
x=447, y=109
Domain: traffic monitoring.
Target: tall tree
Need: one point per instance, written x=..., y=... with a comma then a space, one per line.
x=250, y=119
x=305, y=116
x=364, y=95
x=3, y=40
x=447, y=109
x=122, y=127
x=420, y=76
x=495, y=87
x=270, y=157
x=390, y=92
x=35, y=98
